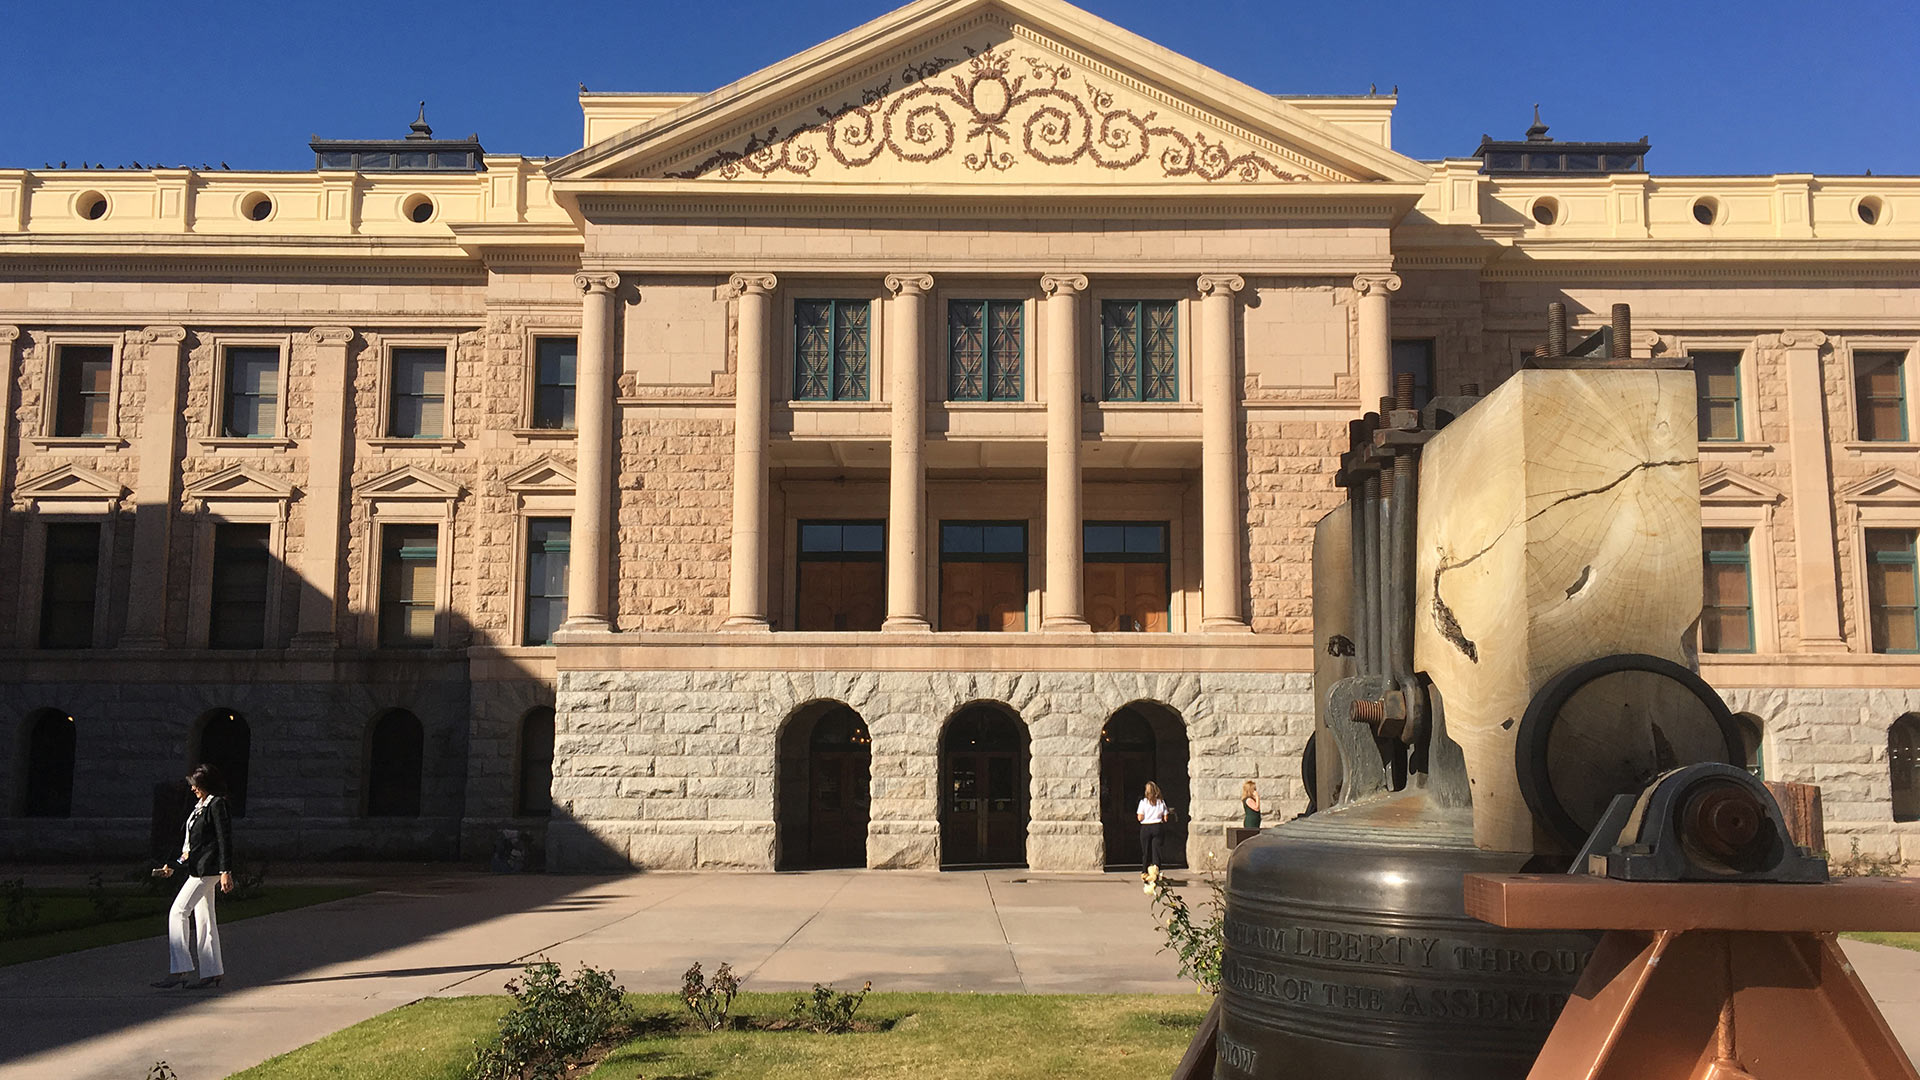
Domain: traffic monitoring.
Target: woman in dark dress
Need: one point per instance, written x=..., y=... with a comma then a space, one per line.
x=206, y=857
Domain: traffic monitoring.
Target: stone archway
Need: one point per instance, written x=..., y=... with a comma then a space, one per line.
x=822, y=788
x=986, y=771
x=1142, y=741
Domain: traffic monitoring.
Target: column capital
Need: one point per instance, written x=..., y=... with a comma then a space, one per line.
x=751, y=285
x=8, y=334
x=1053, y=284
x=158, y=335
x=331, y=335
x=1368, y=284
x=596, y=283
x=1226, y=284
x=909, y=284
x=1802, y=339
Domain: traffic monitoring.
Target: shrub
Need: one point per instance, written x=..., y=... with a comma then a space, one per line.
x=106, y=905
x=709, y=1001
x=1196, y=939
x=161, y=1071
x=551, y=1024
x=251, y=880
x=21, y=907
x=1860, y=864
x=829, y=1011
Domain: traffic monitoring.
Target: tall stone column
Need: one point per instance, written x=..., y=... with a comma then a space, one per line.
x=907, y=471
x=323, y=506
x=747, y=595
x=1812, y=490
x=590, y=534
x=161, y=350
x=1065, y=588
x=1375, y=337
x=1221, y=521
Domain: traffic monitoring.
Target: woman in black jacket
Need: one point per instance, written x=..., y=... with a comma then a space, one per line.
x=206, y=851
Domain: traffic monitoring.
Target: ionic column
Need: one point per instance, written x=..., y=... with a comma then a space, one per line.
x=1375, y=337
x=1065, y=587
x=153, y=490
x=907, y=473
x=323, y=506
x=1221, y=520
x=1813, y=539
x=747, y=595
x=590, y=534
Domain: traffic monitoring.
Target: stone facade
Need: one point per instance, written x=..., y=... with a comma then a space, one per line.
x=1290, y=244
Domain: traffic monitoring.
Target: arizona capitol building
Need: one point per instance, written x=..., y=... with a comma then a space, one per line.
x=893, y=458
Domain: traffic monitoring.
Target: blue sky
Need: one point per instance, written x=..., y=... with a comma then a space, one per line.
x=1757, y=87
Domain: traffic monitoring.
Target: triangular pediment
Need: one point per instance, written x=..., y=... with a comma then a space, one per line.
x=1725, y=486
x=972, y=92
x=69, y=487
x=238, y=482
x=1890, y=486
x=410, y=482
x=543, y=475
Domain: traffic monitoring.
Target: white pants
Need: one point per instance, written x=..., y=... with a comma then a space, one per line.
x=193, y=914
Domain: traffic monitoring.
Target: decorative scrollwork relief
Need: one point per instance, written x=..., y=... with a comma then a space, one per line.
x=996, y=113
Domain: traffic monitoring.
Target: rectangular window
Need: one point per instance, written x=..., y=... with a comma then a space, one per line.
x=1726, y=614
x=548, y=544
x=553, y=364
x=986, y=345
x=1128, y=576
x=983, y=575
x=409, y=558
x=1892, y=592
x=419, y=401
x=1880, y=395
x=238, y=619
x=842, y=574
x=85, y=392
x=831, y=350
x=1716, y=376
x=1140, y=350
x=1414, y=357
x=71, y=572
x=253, y=394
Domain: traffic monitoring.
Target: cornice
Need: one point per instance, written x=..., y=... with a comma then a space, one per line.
x=879, y=266
x=643, y=202
x=107, y=267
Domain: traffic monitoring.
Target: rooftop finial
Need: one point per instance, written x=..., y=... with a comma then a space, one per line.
x=1538, y=132
x=420, y=128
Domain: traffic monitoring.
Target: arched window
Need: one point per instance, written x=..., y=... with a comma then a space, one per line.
x=49, y=779
x=1753, y=740
x=226, y=743
x=396, y=753
x=533, y=796
x=1903, y=762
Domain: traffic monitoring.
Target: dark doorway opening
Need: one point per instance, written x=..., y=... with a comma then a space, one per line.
x=823, y=788
x=49, y=764
x=1142, y=741
x=226, y=743
x=984, y=780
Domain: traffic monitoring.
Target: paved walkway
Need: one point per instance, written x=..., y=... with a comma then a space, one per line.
x=302, y=974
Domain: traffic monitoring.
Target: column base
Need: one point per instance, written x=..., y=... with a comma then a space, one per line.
x=1068, y=624
x=906, y=624
x=590, y=624
x=1824, y=645
x=1218, y=625
x=747, y=624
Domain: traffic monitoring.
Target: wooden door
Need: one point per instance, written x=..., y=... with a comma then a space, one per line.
x=1125, y=596
x=837, y=809
x=990, y=596
x=964, y=819
x=835, y=595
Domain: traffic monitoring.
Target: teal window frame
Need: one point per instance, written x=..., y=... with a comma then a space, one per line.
x=396, y=607
x=241, y=402
x=1912, y=602
x=1131, y=551
x=1899, y=397
x=1743, y=559
x=83, y=408
x=849, y=351
x=1416, y=357
x=70, y=584
x=242, y=576
x=549, y=553
x=555, y=369
x=993, y=369
x=1705, y=400
x=1132, y=315
x=407, y=410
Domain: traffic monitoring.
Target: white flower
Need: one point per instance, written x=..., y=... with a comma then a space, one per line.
x=1147, y=888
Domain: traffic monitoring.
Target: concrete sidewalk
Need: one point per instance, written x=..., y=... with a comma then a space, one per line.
x=297, y=976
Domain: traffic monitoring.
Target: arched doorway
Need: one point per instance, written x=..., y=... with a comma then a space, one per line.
x=49, y=760
x=396, y=753
x=533, y=782
x=1903, y=766
x=226, y=743
x=1142, y=741
x=823, y=788
x=984, y=777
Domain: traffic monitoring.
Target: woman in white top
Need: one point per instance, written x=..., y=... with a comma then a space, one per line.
x=206, y=857
x=1153, y=815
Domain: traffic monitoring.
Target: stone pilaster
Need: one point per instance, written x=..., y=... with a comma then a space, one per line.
x=747, y=592
x=1811, y=494
x=9, y=334
x=1222, y=524
x=590, y=534
x=1375, y=337
x=1065, y=587
x=161, y=355
x=907, y=473
x=324, y=504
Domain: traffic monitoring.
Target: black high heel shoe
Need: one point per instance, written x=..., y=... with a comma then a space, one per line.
x=208, y=983
x=175, y=979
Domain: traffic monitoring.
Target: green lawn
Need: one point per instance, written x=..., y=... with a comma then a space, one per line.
x=952, y=1036
x=1897, y=940
x=68, y=923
